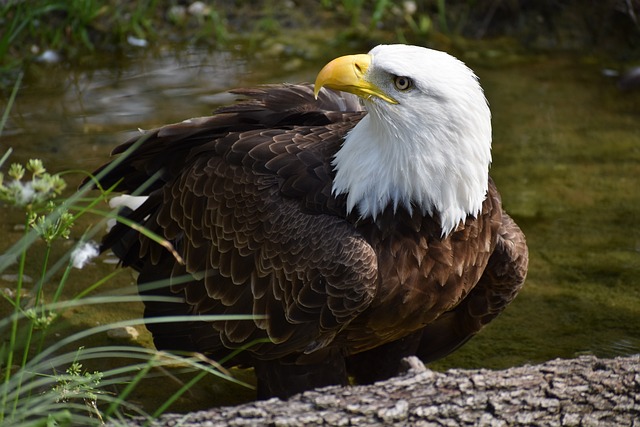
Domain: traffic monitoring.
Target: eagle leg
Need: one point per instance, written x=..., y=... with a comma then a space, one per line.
x=285, y=377
x=383, y=361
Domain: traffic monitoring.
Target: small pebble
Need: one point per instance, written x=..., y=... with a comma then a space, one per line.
x=13, y=278
x=198, y=9
x=137, y=42
x=177, y=13
x=127, y=333
x=49, y=57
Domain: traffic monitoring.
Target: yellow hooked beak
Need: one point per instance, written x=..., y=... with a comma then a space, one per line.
x=349, y=74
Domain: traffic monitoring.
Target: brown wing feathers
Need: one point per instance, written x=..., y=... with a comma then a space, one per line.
x=224, y=211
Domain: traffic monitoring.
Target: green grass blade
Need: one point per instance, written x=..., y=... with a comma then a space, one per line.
x=12, y=100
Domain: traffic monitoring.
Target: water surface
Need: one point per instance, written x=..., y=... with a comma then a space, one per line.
x=566, y=159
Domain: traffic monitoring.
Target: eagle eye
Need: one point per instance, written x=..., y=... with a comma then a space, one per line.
x=402, y=82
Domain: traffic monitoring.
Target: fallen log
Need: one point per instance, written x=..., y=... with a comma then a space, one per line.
x=586, y=391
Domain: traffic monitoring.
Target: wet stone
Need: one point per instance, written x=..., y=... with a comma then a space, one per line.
x=127, y=333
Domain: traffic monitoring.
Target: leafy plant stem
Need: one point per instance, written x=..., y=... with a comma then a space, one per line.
x=12, y=99
x=443, y=15
x=32, y=321
x=39, y=298
x=97, y=284
x=38, y=291
x=60, y=287
x=14, y=326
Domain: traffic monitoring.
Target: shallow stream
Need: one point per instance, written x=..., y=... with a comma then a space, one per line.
x=566, y=159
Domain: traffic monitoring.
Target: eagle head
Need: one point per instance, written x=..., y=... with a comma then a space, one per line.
x=426, y=140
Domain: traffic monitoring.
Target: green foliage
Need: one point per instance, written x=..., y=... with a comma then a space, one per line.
x=78, y=384
x=43, y=379
x=33, y=192
x=71, y=395
x=75, y=27
x=51, y=227
x=70, y=27
x=355, y=10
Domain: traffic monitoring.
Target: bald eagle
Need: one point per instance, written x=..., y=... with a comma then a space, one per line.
x=355, y=219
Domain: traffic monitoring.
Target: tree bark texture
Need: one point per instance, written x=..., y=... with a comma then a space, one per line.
x=586, y=391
